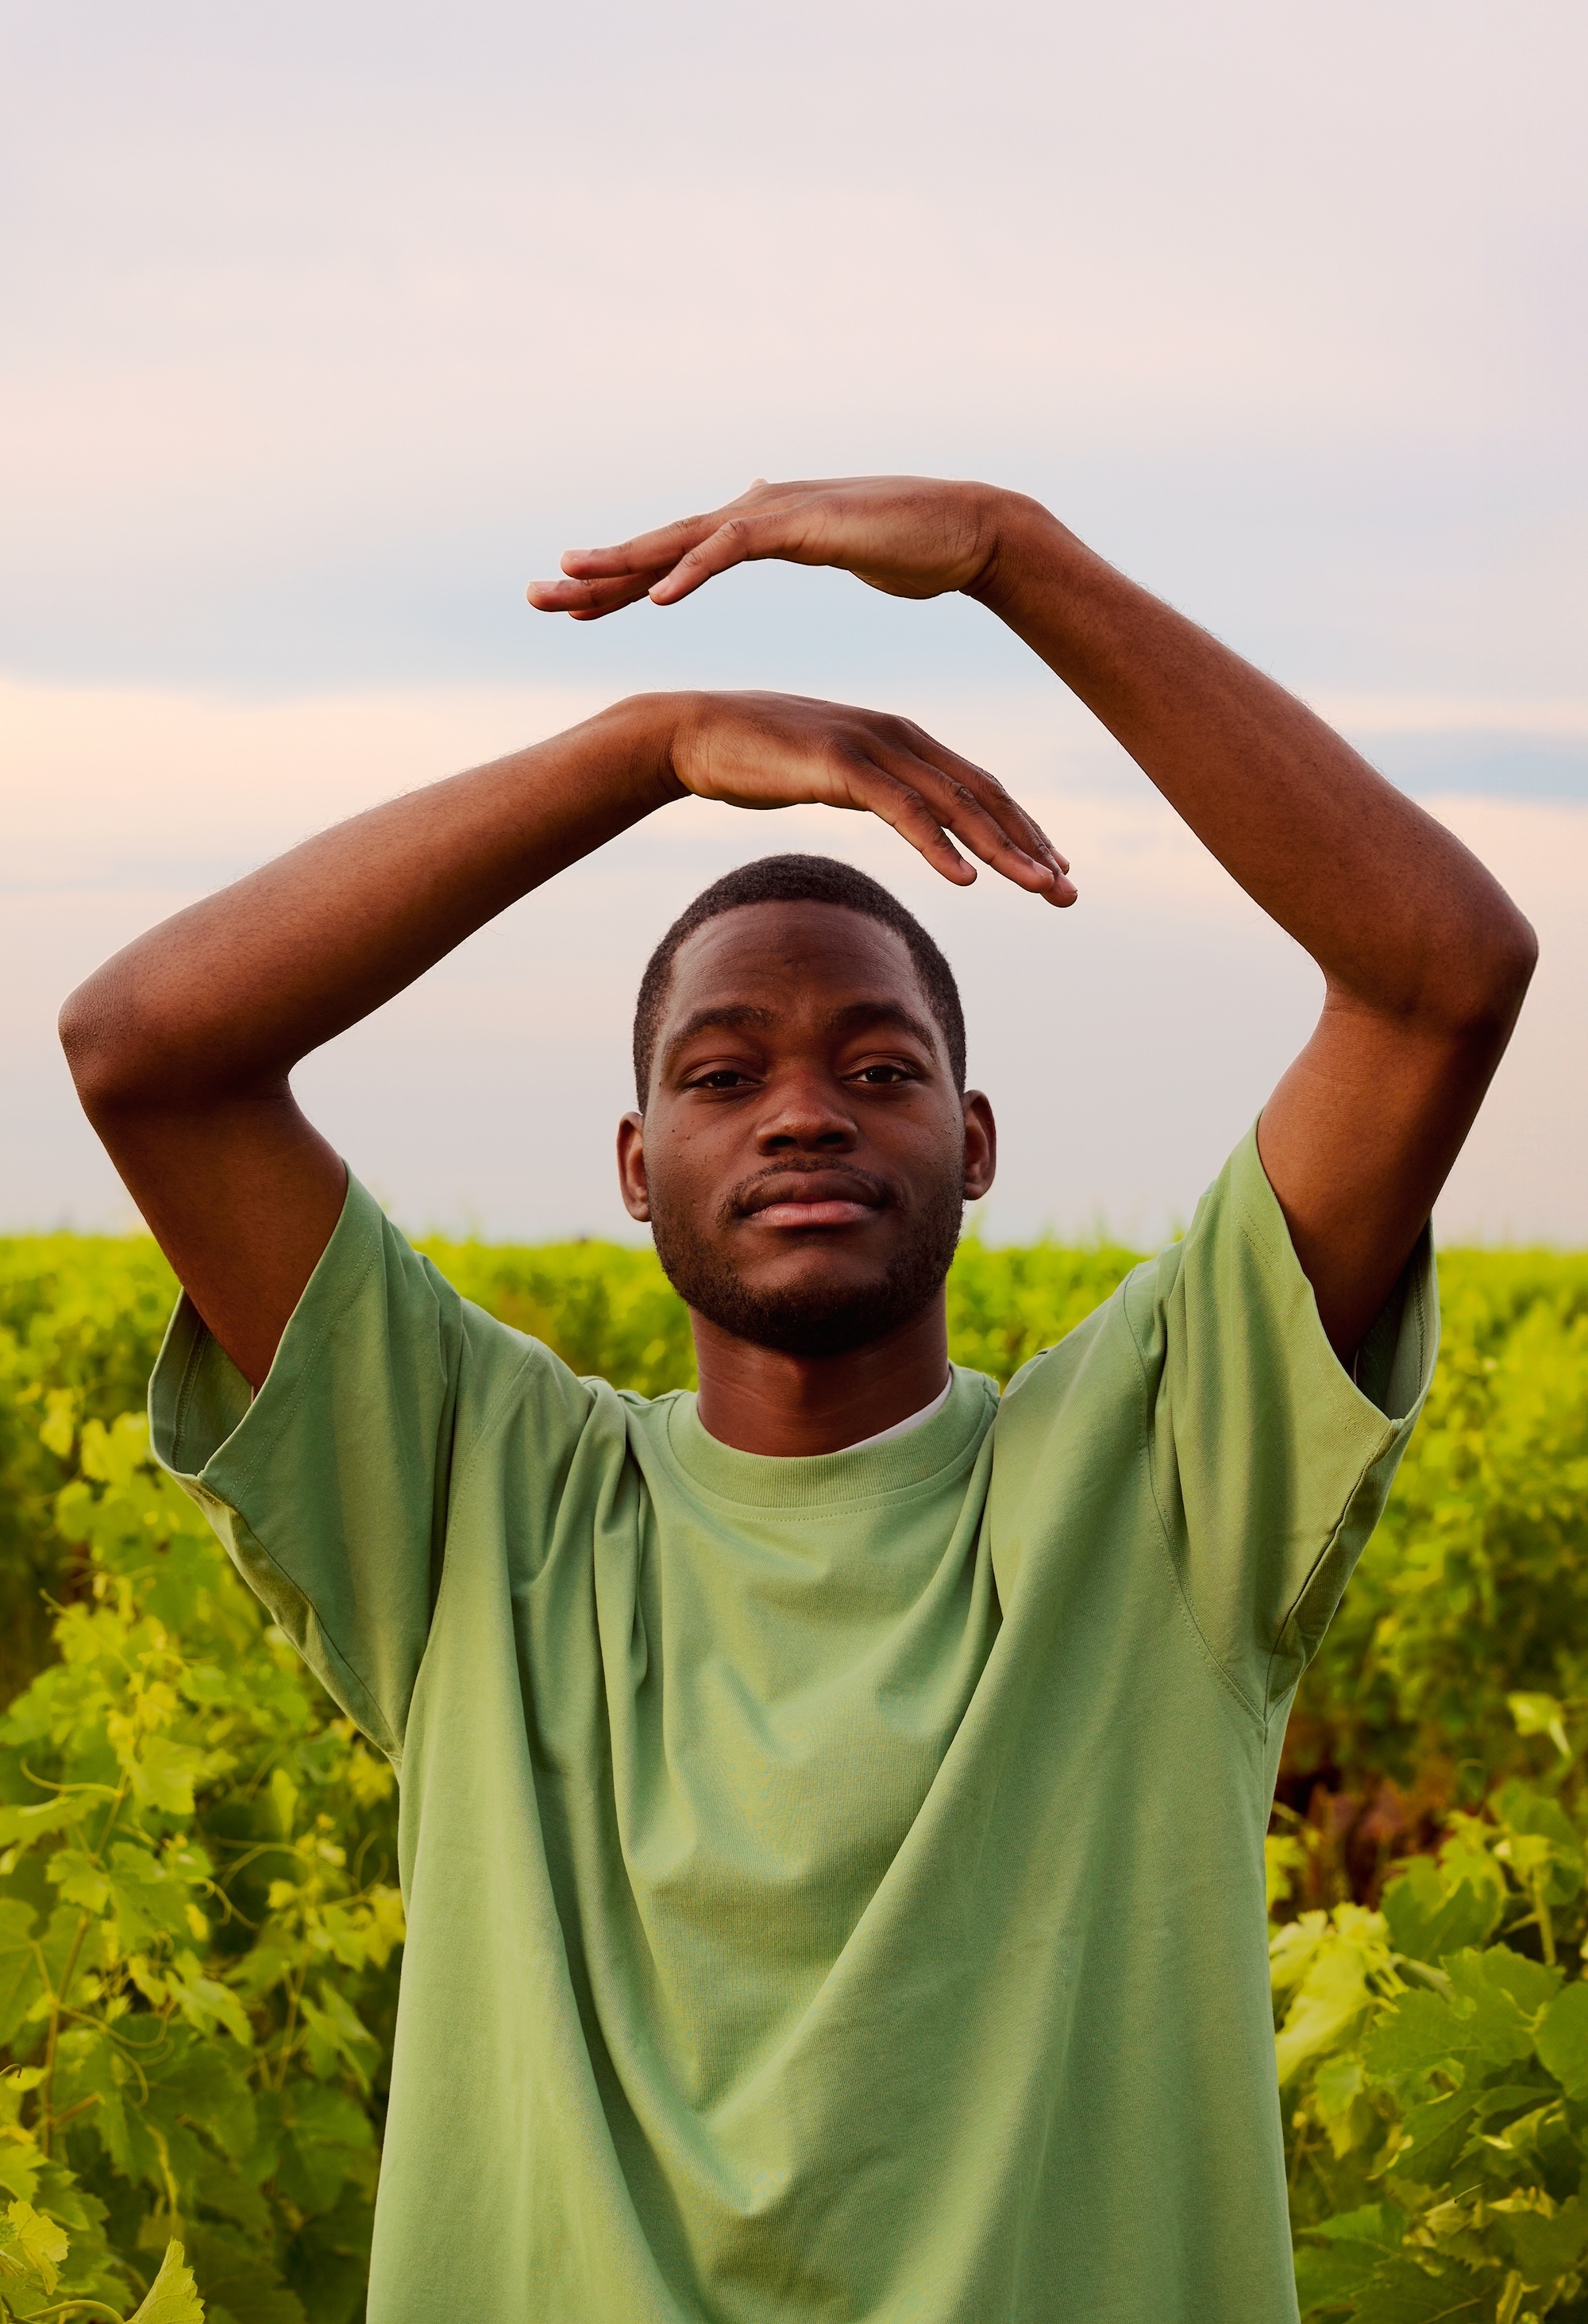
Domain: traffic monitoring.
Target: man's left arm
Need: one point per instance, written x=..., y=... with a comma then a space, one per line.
x=1425, y=959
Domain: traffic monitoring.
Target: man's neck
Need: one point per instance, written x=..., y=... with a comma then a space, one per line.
x=759, y=1401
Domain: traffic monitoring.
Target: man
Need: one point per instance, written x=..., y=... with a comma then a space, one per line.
x=831, y=1805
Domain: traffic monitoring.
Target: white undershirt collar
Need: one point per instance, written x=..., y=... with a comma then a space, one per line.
x=903, y=1427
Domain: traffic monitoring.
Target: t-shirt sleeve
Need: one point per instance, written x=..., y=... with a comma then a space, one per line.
x=330, y=1488
x=1270, y=1462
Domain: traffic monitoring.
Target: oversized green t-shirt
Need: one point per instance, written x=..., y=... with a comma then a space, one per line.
x=835, y=1886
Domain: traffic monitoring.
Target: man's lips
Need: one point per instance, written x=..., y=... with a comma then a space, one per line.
x=805, y=1211
x=827, y=1198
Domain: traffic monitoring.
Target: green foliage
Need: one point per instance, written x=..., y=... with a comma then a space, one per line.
x=198, y=1939
x=1475, y=1586
x=80, y=1321
x=1432, y=2060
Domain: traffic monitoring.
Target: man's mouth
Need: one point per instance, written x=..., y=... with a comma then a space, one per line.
x=824, y=1198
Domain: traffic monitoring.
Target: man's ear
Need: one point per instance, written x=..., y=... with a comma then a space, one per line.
x=981, y=1146
x=630, y=1166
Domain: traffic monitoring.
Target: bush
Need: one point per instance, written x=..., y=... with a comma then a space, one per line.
x=197, y=1937
x=1432, y=2060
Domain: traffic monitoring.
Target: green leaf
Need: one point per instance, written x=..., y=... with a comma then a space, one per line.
x=1430, y=1912
x=1330, y=2276
x=88, y=2066
x=1563, y=2040
x=1547, y=2247
x=1531, y=1984
x=31, y=2245
x=172, y=2298
x=1383, y=2224
x=1539, y=1714
x=20, y=1983
x=1476, y=2032
x=1405, y=2293
x=20, y=1826
x=163, y=1772
x=236, y=2279
x=1541, y=1841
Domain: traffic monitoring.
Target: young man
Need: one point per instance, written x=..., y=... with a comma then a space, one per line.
x=832, y=1804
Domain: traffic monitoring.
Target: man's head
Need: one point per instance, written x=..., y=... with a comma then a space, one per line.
x=805, y=1144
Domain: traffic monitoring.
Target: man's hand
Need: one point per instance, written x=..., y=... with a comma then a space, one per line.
x=784, y=750
x=908, y=536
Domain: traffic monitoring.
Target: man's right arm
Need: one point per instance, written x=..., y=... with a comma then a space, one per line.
x=182, y=1045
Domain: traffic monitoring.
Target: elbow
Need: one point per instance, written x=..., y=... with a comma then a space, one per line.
x=88, y=1036
x=1486, y=992
x=108, y=1049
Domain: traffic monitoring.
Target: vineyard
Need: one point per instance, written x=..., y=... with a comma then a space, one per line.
x=199, y=1924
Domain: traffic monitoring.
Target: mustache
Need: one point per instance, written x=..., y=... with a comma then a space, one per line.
x=846, y=1181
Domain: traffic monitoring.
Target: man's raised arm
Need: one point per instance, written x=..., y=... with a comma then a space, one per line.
x=181, y=1045
x=1426, y=959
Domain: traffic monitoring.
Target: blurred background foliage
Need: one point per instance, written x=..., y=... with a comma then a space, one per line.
x=199, y=1931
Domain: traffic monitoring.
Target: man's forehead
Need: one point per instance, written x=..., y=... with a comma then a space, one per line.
x=771, y=965
x=804, y=954
x=761, y=939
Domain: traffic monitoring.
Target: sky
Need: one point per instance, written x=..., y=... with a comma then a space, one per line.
x=324, y=329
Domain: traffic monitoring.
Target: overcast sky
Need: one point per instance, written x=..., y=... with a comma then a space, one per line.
x=324, y=328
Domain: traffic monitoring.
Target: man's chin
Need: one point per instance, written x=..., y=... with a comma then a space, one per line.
x=816, y=1302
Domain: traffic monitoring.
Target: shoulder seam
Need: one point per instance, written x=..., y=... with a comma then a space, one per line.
x=1224, y=1678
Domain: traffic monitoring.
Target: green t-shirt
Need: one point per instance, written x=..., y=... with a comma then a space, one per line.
x=835, y=1886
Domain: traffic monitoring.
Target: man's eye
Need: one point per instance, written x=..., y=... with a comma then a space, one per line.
x=881, y=1076
x=727, y=1077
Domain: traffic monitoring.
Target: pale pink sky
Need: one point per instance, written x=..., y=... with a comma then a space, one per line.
x=324, y=329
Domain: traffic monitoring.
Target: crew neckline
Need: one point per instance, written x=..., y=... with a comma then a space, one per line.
x=946, y=1439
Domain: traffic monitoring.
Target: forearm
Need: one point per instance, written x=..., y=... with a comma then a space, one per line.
x=224, y=999
x=1396, y=912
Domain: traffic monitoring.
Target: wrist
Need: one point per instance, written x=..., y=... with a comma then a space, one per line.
x=1025, y=540
x=646, y=728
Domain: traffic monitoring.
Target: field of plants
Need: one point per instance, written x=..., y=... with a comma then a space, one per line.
x=200, y=1929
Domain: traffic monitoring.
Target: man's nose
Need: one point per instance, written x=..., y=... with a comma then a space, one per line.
x=806, y=1112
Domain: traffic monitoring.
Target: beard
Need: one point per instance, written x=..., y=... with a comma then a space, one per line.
x=816, y=1318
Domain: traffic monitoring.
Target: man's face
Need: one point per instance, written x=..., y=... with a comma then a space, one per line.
x=804, y=1156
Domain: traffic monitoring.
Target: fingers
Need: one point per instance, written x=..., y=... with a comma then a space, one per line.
x=649, y=552
x=588, y=601
x=973, y=804
x=988, y=823
x=737, y=540
x=932, y=798
x=673, y=561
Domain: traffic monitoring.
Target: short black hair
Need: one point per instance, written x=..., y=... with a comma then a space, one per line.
x=797, y=880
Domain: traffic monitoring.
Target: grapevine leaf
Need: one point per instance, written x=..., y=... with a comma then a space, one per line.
x=1563, y=2040
x=19, y=1968
x=237, y=2281
x=1403, y=2291
x=31, y=2245
x=172, y=2298
x=1430, y=1915
x=1476, y=2032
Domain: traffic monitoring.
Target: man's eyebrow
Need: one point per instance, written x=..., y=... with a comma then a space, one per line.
x=858, y=1014
x=732, y=1016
